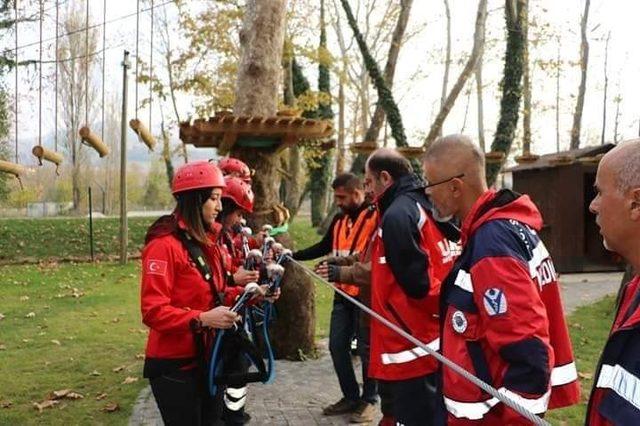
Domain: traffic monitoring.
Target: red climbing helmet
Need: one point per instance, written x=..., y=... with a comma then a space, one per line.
x=234, y=167
x=238, y=191
x=197, y=175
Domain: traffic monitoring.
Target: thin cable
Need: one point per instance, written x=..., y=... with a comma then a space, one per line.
x=40, y=80
x=86, y=68
x=151, y=70
x=55, y=118
x=83, y=56
x=79, y=30
x=137, y=50
x=104, y=41
x=455, y=367
x=16, y=91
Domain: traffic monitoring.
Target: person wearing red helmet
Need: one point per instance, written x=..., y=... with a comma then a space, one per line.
x=237, y=201
x=234, y=167
x=182, y=299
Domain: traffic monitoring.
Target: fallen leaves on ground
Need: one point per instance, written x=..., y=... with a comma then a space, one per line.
x=30, y=315
x=129, y=379
x=118, y=369
x=66, y=393
x=586, y=376
x=95, y=373
x=111, y=407
x=49, y=403
x=101, y=396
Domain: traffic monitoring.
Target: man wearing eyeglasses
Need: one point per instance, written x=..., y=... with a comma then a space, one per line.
x=501, y=317
x=411, y=255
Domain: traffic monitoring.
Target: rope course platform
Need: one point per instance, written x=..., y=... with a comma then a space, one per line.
x=225, y=130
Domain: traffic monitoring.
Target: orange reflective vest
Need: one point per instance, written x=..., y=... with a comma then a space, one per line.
x=351, y=237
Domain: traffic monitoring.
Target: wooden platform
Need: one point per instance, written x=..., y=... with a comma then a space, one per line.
x=223, y=131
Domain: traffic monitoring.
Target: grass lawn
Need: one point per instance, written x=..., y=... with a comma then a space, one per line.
x=589, y=327
x=70, y=327
x=33, y=240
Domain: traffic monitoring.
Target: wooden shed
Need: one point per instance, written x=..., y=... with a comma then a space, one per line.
x=561, y=185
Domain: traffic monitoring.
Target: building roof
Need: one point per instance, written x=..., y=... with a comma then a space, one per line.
x=556, y=159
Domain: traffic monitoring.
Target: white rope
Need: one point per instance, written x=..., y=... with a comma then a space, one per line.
x=455, y=367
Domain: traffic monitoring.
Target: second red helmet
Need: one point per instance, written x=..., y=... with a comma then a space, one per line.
x=239, y=192
x=234, y=167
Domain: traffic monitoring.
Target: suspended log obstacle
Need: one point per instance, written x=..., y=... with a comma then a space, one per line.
x=13, y=169
x=47, y=155
x=143, y=133
x=224, y=130
x=94, y=141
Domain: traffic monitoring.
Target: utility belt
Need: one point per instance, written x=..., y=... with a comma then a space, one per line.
x=156, y=367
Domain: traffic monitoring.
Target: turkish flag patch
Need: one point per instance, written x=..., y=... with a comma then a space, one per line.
x=156, y=267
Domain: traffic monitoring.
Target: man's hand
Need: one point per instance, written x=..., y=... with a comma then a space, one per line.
x=243, y=277
x=327, y=271
x=219, y=317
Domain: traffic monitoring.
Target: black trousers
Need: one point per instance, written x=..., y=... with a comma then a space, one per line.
x=183, y=400
x=415, y=401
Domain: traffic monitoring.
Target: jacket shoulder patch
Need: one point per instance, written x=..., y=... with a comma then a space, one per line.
x=495, y=302
x=156, y=267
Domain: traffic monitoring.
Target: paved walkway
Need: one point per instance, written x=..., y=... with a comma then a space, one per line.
x=301, y=389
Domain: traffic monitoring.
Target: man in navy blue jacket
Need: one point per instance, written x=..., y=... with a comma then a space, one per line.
x=615, y=399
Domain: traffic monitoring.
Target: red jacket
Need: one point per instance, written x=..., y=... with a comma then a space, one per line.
x=615, y=399
x=173, y=292
x=410, y=258
x=503, y=319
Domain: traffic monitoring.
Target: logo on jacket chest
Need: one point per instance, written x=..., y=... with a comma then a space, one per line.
x=459, y=322
x=495, y=302
x=449, y=250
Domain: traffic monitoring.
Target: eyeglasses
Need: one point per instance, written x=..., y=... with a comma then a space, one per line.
x=429, y=185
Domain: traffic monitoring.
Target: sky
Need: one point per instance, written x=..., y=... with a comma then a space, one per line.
x=419, y=73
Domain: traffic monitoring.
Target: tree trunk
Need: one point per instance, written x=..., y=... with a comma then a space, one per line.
x=447, y=60
x=166, y=152
x=479, y=89
x=320, y=175
x=606, y=86
x=618, y=101
x=386, y=104
x=466, y=111
x=385, y=97
x=584, y=62
x=558, y=69
x=293, y=182
x=526, y=77
x=511, y=84
x=478, y=46
x=342, y=149
x=262, y=39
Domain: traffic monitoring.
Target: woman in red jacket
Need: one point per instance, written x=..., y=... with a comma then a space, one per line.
x=182, y=297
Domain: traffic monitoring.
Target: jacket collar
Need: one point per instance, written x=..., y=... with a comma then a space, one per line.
x=404, y=185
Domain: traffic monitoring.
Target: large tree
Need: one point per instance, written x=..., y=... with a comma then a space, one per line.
x=320, y=169
x=75, y=68
x=259, y=76
x=584, y=62
x=472, y=62
x=515, y=16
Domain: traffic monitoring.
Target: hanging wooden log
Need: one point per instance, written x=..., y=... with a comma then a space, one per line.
x=47, y=155
x=527, y=158
x=494, y=157
x=143, y=133
x=14, y=169
x=94, y=141
x=411, y=151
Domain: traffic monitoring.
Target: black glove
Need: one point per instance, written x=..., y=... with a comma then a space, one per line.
x=334, y=273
